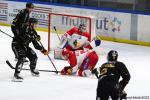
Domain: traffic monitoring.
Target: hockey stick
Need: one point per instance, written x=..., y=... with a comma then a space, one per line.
x=41, y=45
x=12, y=67
x=6, y=33
x=57, y=33
x=49, y=58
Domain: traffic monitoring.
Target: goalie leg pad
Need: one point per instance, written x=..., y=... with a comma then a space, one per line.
x=63, y=43
x=58, y=54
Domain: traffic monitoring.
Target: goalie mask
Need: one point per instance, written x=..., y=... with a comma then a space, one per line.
x=112, y=55
x=82, y=27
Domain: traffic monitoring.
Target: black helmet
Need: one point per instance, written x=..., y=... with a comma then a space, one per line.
x=29, y=5
x=112, y=55
x=33, y=20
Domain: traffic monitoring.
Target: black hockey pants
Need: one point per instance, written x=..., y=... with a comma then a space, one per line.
x=21, y=52
x=15, y=31
x=106, y=90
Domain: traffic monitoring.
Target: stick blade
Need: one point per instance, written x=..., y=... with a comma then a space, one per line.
x=7, y=62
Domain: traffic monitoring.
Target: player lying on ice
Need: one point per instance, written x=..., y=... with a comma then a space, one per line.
x=74, y=39
x=82, y=62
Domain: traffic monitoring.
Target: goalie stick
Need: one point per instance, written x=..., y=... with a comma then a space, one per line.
x=57, y=33
x=12, y=67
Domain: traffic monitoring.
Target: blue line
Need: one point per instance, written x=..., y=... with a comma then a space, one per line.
x=84, y=7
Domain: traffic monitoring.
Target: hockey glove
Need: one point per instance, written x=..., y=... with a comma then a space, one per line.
x=123, y=95
x=45, y=52
x=66, y=70
x=69, y=71
x=95, y=72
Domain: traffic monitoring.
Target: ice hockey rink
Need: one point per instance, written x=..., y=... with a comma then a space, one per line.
x=50, y=86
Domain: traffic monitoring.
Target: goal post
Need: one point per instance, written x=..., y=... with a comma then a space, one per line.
x=63, y=23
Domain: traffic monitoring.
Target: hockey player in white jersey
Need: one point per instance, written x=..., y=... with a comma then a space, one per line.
x=75, y=33
x=74, y=42
x=82, y=62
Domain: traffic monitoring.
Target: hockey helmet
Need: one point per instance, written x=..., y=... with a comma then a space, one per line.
x=82, y=27
x=33, y=20
x=29, y=5
x=112, y=55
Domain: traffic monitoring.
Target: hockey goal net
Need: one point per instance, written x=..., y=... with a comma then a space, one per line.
x=58, y=24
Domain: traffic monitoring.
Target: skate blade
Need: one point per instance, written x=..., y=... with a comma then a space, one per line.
x=17, y=80
x=35, y=75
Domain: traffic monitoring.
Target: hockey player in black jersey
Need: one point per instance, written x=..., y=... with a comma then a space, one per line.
x=20, y=21
x=21, y=47
x=108, y=83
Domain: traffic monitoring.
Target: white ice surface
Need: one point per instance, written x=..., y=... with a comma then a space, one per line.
x=50, y=86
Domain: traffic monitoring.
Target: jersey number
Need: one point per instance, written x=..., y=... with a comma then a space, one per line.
x=104, y=71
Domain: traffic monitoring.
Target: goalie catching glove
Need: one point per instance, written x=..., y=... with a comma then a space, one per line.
x=45, y=52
